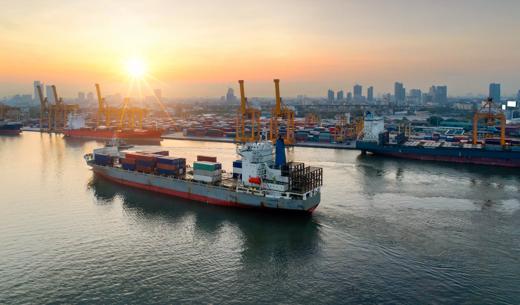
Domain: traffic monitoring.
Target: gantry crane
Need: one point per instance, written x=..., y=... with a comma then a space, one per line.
x=490, y=114
x=44, y=109
x=246, y=114
x=281, y=114
x=340, y=130
x=127, y=116
x=54, y=115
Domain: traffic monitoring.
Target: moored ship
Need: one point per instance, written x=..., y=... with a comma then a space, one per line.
x=10, y=128
x=260, y=179
x=77, y=129
x=376, y=141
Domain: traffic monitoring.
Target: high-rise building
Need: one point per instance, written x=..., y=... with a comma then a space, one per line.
x=358, y=92
x=518, y=97
x=494, y=92
x=349, y=97
x=399, y=93
x=90, y=96
x=370, y=94
x=441, y=95
x=416, y=96
x=330, y=96
x=340, y=95
x=81, y=96
x=158, y=94
x=49, y=93
x=37, y=83
x=230, y=95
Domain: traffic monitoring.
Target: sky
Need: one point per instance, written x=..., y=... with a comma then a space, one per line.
x=198, y=48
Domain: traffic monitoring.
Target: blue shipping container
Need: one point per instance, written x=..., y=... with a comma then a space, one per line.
x=237, y=163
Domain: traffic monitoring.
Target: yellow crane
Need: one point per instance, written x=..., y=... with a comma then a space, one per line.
x=489, y=113
x=281, y=115
x=128, y=116
x=246, y=114
x=54, y=115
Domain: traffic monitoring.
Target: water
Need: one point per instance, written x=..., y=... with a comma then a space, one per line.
x=387, y=231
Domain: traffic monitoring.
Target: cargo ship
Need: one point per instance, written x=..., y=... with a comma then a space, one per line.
x=10, y=128
x=376, y=141
x=261, y=178
x=76, y=129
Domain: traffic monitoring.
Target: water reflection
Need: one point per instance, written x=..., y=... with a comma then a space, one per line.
x=266, y=235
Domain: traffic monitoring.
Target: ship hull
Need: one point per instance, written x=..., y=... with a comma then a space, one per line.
x=10, y=132
x=455, y=155
x=205, y=193
x=10, y=129
x=113, y=134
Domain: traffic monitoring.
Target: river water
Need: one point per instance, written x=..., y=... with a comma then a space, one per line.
x=387, y=231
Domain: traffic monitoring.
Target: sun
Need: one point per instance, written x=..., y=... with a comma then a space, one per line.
x=135, y=67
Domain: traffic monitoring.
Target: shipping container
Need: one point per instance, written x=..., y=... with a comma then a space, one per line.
x=206, y=158
x=201, y=172
x=209, y=166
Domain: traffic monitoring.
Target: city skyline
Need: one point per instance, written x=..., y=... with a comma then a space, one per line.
x=199, y=49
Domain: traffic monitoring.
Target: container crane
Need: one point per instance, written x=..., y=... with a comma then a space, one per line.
x=128, y=116
x=246, y=114
x=44, y=109
x=59, y=111
x=281, y=114
x=489, y=113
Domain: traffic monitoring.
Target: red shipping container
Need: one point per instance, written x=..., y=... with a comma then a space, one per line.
x=127, y=161
x=207, y=158
x=145, y=169
x=166, y=166
x=139, y=156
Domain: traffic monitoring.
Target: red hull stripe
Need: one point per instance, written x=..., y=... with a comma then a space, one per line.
x=184, y=195
x=109, y=134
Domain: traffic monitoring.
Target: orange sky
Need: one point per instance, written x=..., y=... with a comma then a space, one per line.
x=198, y=48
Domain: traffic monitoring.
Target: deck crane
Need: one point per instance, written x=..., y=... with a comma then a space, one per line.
x=281, y=114
x=490, y=114
x=246, y=114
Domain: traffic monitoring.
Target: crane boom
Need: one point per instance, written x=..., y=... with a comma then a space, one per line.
x=278, y=106
x=55, y=94
x=243, y=99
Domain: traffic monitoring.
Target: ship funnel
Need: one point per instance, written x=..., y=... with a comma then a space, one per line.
x=280, y=153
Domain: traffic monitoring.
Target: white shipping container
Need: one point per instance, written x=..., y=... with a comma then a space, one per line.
x=201, y=172
x=206, y=179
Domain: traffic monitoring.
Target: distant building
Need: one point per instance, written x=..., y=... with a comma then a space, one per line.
x=90, y=96
x=81, y=96
x=49, y=94
x=349, y=97
x=330, y=96
x=399, y=93
x=340, y=95
x=518, y=97
x=441, y=95
x=230, y=95
x=370, y=94
x=494, y=92
x=358, y=93
x=158, y=94
x=416, y=96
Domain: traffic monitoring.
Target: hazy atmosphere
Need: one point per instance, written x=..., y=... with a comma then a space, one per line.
x=198, y=48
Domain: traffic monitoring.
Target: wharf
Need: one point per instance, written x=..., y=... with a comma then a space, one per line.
x=178, y=136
